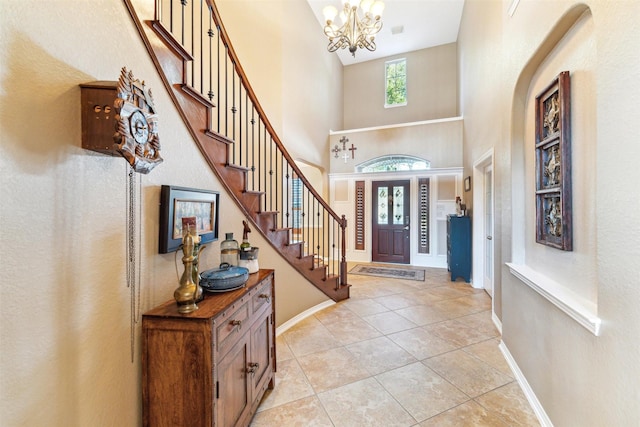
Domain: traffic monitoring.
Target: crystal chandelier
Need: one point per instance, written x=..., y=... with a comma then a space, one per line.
x=356, y=31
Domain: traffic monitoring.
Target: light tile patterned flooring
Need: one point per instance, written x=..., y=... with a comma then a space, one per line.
x=397, y=353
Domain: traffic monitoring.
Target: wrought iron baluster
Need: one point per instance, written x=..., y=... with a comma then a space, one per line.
x=253, y=149
x=271, y=173
x=226, y=91
x=193, y=62
x=254, y=145
x=184, y=4
x=210, y=34
x=201, y=50
x=260, y=165
x=218, y=79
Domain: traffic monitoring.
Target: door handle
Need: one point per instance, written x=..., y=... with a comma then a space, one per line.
x=489, y=238
x=406, y=227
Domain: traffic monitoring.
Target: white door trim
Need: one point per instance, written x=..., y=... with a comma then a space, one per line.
x=478, y=215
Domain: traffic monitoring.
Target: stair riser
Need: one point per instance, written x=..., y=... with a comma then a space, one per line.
x=172, y=62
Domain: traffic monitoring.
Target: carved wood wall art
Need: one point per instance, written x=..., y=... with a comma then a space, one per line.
x=136, y=136
x=553, y=164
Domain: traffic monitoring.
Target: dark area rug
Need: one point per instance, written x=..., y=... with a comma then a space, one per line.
x=392, y=272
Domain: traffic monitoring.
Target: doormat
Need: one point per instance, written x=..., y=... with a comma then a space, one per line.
x=392, y=272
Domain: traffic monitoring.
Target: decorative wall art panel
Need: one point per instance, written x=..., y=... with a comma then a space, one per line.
x=553, y=164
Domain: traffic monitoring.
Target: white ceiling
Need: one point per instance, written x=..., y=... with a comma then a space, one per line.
x=426, y=23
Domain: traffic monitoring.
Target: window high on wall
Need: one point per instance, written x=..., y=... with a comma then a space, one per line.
x=395, y=83
x=394, y=163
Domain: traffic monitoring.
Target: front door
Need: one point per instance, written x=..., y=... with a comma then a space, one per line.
x=390, y=227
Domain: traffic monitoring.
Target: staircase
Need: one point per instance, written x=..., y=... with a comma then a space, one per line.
x=196, y=61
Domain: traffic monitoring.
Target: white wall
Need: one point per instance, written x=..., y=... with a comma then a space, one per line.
x=577, y=378
x=438, y=141
x=431, y=89
x=65, y=321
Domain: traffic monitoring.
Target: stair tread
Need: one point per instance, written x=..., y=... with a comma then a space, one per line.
x=196, y=106
x=239, y=167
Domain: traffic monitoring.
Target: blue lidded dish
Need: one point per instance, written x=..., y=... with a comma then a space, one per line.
x=225, y=278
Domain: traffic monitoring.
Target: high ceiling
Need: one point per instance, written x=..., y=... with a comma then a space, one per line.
x=424, y=23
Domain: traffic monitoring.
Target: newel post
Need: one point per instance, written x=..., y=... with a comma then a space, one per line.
x=343, y=250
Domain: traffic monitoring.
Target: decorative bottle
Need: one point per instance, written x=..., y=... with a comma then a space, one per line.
x=245, y=245
x=229, y=250
x=187, y=292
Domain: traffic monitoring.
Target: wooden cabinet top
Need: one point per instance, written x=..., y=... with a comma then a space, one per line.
x=213, y=303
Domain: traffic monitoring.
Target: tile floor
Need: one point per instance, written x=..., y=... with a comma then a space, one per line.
x=397, y=353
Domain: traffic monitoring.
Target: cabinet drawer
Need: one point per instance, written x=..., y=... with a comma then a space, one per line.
x=262, y=297
x=231, y=325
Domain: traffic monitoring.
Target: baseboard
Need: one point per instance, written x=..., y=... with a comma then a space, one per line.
x=526, y=388
x=496, y=321
x=309, y=312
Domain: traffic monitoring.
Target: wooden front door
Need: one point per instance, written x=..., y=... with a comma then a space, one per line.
x=390, y=225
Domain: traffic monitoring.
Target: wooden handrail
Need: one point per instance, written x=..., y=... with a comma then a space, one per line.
x=242, y=146
x=263, y=116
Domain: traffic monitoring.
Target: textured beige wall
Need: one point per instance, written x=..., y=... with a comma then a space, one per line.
x=65, y=306
x=439, y=142
x=297, y=81
x=576, y=52
x=578, y=378
x=431, y=89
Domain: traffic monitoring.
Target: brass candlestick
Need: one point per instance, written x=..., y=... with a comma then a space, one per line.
x=187, y=293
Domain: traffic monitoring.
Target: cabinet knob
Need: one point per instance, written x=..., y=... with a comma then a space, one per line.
x=237, y=323
x=265, y=296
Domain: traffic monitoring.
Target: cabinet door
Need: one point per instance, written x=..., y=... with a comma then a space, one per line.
x=261, y=355
x=234, y=395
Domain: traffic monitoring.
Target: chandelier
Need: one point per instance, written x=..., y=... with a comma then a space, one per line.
x=357, y=30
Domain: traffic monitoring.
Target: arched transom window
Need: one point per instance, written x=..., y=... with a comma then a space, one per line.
x=394, y=162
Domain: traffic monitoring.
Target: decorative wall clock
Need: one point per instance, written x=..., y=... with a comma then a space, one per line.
x=136, y=136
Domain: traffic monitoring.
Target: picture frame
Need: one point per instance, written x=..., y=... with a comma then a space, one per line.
x=467, y=184
x=554, y=225
x=181, y=202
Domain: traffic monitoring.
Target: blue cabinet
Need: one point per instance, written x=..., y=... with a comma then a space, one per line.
x=459, y=247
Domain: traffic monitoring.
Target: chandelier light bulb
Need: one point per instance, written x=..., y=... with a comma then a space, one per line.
x=365, y=5
x=329, y=13
x=377, y=8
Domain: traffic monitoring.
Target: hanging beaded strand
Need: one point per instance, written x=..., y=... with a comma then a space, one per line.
x=134, y=246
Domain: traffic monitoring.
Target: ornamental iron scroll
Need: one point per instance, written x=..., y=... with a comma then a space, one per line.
x=136, y=137
x=553, y=164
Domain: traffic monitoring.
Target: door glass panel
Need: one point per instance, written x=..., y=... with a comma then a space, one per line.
x=398, y=205
x=383, y=197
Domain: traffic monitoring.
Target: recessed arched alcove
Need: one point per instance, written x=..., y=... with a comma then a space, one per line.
x=567, y=278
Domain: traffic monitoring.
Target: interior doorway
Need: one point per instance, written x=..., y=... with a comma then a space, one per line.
x=483, y=223
x=391, y=204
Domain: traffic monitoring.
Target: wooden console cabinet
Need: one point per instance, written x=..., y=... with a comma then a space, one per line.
x=210, y=367
x=459, y=247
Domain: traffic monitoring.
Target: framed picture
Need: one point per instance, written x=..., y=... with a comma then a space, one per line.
x=199, y=206
x=467, y=184
x=553, y=164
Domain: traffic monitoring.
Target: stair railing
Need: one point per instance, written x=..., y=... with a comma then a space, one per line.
x=213, y=75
